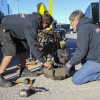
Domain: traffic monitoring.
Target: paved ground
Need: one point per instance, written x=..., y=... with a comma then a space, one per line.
x=58, y=90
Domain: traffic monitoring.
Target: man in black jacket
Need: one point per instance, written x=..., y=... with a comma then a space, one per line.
x=88, y=47
x=15, y=31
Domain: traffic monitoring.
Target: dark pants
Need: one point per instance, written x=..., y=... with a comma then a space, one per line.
x=11, y=46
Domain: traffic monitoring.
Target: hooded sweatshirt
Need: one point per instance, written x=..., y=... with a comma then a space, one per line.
x=25, y=26
x=88, y=42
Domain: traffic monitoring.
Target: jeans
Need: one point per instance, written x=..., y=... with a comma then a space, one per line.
x=90, y=71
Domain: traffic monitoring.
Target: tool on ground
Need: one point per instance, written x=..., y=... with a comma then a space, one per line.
x=25, y=81
x=27, y=64
x=28, y=92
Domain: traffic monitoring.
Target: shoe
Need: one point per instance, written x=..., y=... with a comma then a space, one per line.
x=24, y=72
x=3, y=82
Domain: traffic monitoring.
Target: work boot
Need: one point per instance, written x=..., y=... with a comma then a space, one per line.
x=24, y=72
x=3, y=82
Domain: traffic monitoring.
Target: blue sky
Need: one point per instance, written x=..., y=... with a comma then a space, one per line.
x=59, y=6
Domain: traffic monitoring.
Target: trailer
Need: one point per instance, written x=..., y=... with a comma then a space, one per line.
x=93, y=11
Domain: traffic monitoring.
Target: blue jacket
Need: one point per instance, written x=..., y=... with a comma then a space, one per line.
x=25, y=26
x=88, y=42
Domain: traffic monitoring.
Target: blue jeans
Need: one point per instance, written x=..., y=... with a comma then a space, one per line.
x=90, y=71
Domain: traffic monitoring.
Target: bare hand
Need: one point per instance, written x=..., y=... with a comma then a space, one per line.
x=68, y=65
x=48, y=64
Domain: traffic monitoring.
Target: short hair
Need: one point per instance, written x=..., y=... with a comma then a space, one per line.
x=77, y=14
x=47, y=18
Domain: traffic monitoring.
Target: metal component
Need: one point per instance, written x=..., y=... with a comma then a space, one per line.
x=27, y=81
x=24, y=93
x=28, y=92
x=50, y=42
x=39, y=89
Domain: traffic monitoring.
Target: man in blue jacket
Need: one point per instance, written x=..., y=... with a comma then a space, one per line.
x=15, y=31
x=88, y=47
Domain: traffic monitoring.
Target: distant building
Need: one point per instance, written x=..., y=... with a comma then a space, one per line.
x=5, y=8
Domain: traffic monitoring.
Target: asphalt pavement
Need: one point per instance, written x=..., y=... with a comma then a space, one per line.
x=58, y=90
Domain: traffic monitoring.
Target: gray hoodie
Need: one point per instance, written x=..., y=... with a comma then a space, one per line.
x=88, y=42
x=25, y=27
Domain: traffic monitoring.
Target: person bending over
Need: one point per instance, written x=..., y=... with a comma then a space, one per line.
x=15, y=31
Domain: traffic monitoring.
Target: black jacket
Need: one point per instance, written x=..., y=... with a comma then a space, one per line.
x=25, y=27
x=88, y=42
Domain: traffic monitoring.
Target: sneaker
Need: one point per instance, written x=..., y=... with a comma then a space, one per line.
x=24, y=72
x=4, y=82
